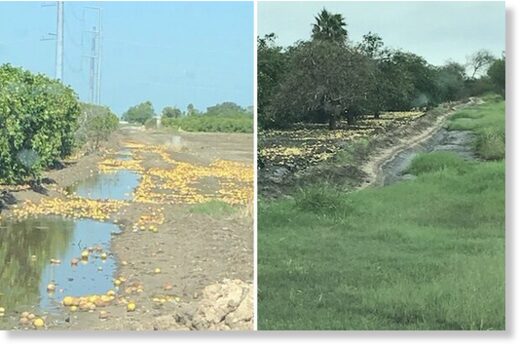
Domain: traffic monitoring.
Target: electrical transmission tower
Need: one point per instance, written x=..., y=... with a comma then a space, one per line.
x=58, y=36
x=95, y=58
x=95, y=49
x=59, y=40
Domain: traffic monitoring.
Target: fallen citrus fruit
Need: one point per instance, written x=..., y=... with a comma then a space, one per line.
x=38, y=323
x=130, y=307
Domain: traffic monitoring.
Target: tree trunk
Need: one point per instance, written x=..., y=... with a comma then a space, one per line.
x=350, y=118
x=333, y=122
x=376, y=115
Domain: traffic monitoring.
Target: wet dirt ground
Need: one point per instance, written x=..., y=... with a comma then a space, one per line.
x=170, y=272
x=459, y=142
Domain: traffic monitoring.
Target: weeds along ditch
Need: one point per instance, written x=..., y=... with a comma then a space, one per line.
x=420, y=254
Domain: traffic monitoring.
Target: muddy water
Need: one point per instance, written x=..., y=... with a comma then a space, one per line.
x=460, y=142
x=27, y=249
x=117, y=185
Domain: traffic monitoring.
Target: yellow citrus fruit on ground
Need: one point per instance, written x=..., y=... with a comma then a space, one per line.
x=51, y=287
x=84, y=254
x=157, y=270
x=111, y=293
x=68, y=301
x=106, y=298
x=103, y=256
x=130, y=307
x=73, y=308
x=2, y=310
x=38, y=323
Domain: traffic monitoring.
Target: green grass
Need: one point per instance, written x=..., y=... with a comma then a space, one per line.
x=437, y=161
x=213, y=208
x=421, y=254
x=487, y=121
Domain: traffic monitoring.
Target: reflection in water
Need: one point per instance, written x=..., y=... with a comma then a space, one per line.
x=117, y=185
x=26, y=249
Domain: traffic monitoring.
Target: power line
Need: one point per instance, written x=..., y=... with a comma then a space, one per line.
x=95, y=51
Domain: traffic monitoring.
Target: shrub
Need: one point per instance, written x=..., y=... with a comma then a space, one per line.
x=38, y=121
x=96, y=123
x=491, y=144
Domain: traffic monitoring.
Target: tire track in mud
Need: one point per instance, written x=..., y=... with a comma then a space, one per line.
x=375, y=167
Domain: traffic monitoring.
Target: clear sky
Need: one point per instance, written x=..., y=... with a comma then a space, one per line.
x=171, y=53
x=438, y=31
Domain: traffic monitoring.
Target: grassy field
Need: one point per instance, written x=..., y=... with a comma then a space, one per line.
x=421, y=254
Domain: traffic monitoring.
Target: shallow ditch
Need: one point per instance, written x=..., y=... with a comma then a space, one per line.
x=31, y=250
x=47, y=250
x=460, y=142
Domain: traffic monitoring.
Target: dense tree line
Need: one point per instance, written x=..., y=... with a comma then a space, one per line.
x=224, y=117
x=328, y=77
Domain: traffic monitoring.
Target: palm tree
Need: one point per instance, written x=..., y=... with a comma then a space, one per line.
x=329, y=27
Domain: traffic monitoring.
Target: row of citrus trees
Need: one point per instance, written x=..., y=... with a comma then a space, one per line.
x=41, y=122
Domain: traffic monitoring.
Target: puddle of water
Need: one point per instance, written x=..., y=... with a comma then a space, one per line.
x=26, y=250
x=117, y=185
x=459, y=142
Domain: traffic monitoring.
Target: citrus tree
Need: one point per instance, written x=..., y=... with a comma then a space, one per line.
x=38, y=120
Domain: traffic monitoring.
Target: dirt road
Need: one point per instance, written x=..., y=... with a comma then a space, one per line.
x=182, y=268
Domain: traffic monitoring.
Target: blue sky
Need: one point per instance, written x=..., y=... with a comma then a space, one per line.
x=438, y=31
x=171, y=53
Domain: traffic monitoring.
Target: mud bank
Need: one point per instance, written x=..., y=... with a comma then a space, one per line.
x=425, y=134
x=459, y=142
